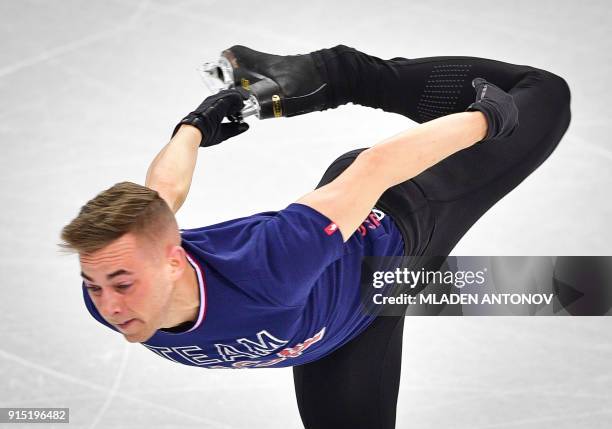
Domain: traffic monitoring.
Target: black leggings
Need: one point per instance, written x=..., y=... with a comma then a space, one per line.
x=357, y=385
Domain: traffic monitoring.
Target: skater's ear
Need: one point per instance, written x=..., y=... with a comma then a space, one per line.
x=176, y=259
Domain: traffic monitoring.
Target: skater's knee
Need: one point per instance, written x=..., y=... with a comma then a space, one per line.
x=556, y=86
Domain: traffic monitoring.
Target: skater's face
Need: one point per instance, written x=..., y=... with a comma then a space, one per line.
x=130, y=283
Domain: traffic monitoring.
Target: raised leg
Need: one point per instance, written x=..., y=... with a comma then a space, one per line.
x=462, y=187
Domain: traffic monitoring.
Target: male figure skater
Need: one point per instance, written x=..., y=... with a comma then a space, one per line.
x=281, y=288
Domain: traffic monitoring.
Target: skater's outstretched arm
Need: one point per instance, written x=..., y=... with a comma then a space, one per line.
x=171, y=171
x=349, y=198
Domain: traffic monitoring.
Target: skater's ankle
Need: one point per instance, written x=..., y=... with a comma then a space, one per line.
x=336, y=70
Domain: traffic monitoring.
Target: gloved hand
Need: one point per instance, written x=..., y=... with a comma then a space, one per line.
x=208, y=116
x=497, y=106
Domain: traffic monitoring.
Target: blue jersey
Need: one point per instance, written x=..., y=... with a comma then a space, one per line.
x=277, y=289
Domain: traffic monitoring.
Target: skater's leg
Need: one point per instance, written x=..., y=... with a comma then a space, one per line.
x=357, y=385
x=462, y=187
x=419, y=88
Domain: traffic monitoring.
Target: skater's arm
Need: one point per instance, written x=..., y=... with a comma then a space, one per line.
x=349, y=198
x=411, y=152
x=171, y=171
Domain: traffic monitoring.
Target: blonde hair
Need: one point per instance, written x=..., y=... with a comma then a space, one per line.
x=125, y=207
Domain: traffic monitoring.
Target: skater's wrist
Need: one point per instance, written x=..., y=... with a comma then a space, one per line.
x=497, y=106
x=478, y=125
x=191, y=133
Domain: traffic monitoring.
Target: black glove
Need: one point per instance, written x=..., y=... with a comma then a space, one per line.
x=497, y=106
x=209, y=115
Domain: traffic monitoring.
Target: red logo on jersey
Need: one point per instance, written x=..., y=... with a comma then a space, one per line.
x=331, y=228
x=292, y=352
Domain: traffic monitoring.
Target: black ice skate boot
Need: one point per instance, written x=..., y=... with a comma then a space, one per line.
x=281, y=85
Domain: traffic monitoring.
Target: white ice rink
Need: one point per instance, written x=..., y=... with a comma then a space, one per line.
x=91, y=90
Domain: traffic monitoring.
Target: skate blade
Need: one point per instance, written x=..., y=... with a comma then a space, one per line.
x=217, y=75
x=251, y=108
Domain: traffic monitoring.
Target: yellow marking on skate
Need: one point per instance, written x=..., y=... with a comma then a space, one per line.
x=276, y=106
x=245, y=83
